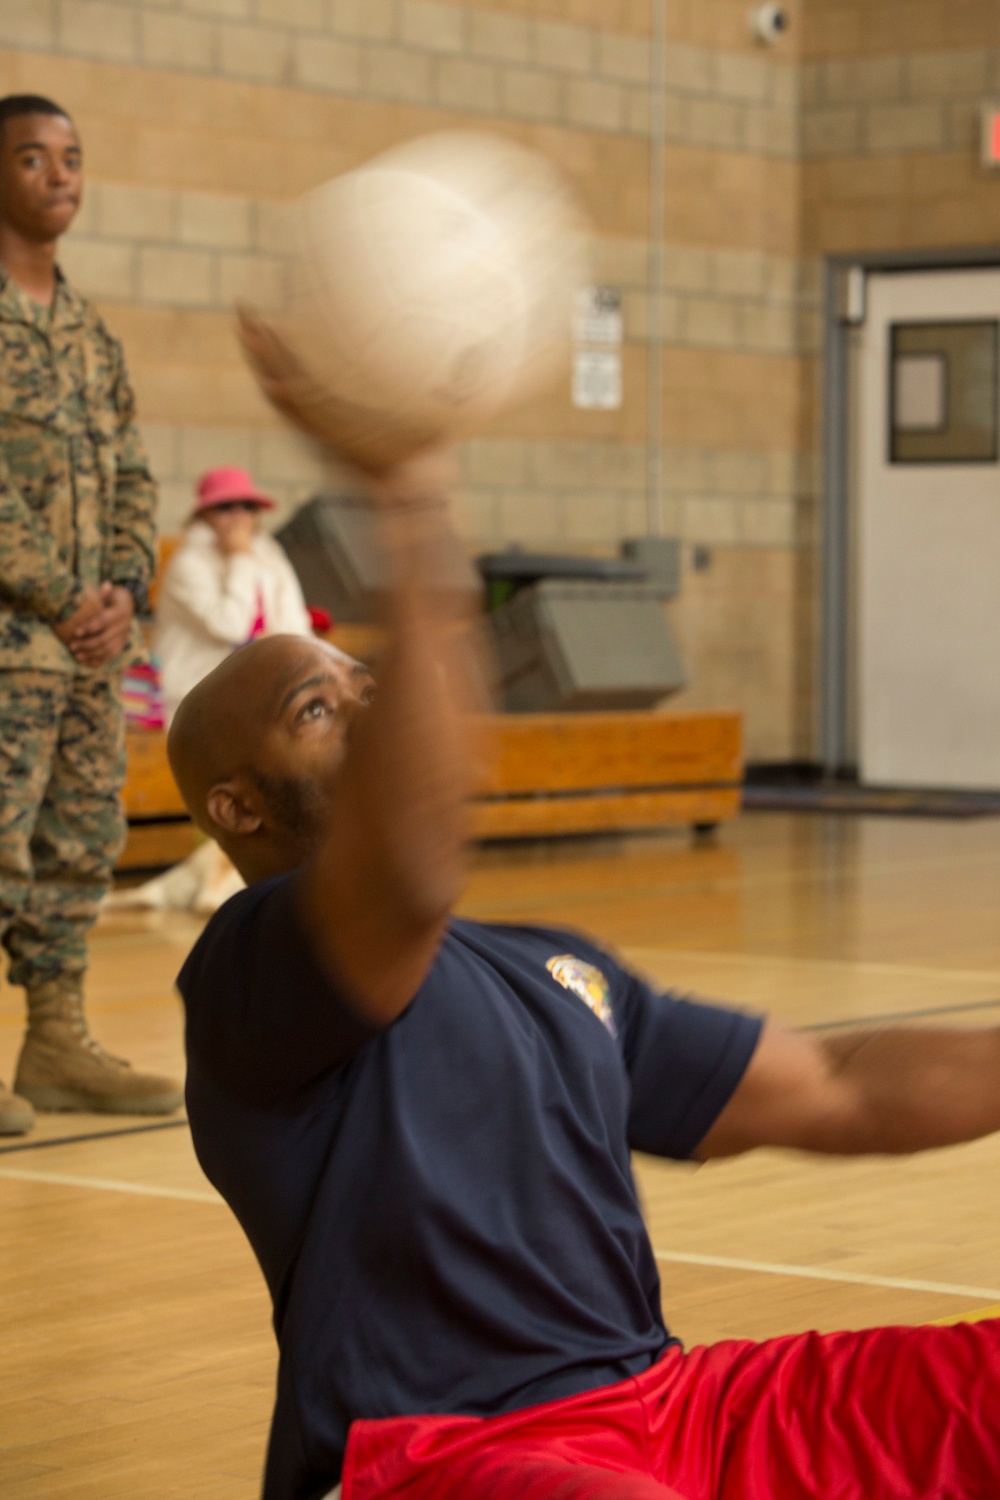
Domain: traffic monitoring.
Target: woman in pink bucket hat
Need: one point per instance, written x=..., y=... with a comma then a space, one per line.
x=226, y=584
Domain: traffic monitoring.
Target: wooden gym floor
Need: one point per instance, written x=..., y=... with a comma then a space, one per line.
x=138, y=1359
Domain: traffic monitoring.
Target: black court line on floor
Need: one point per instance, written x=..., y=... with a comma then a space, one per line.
x=901, y=1015
x=93, y=1135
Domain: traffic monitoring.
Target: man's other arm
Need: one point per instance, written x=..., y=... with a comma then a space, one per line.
x=891, y=1091
x=378, y=894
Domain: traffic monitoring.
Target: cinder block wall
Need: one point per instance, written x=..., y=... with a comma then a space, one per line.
x=891, y=93
x=202, y=118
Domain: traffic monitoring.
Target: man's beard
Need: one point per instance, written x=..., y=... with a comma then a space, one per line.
x=299, y=809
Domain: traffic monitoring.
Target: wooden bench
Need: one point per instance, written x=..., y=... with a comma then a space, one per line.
x=588, y=772
x=159, y=829
x=543, y=775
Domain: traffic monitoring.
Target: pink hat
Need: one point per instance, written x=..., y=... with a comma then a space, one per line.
x=222, y=486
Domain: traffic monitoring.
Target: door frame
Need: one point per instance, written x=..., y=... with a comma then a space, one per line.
x=844, y=282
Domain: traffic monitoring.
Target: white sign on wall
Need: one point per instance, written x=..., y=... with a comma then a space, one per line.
x=597, y=379
x=599, y=315
x=597, y=360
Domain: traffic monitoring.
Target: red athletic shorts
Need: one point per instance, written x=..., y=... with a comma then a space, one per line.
x=887, y=1414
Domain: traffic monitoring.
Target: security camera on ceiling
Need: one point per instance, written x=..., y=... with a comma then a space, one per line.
x=768, y=22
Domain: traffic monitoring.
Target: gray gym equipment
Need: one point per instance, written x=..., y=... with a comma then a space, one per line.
x=568, y=632
x=330, y=542
x=566, y=644
x=506, y=573
x=659, y=558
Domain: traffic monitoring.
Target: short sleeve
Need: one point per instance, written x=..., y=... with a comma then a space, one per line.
x=685, y=1060
x=263, y=1017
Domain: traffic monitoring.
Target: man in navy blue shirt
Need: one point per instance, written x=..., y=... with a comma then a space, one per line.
x=424, y=1124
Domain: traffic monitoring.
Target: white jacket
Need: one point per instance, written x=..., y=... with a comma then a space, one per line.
x=209, y=604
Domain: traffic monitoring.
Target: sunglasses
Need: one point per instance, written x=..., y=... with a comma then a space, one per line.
x=227, y=507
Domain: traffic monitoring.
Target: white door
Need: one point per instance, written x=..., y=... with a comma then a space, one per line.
x=928, y=530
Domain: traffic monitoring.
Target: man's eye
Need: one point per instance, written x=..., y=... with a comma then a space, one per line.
x=368, y=695
x=314, y=709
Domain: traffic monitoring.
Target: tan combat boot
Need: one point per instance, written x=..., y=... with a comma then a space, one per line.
x=61, y=1067
x=16, y=1114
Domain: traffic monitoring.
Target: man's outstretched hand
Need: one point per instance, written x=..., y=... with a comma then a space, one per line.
x=371, y=440
x=98, y=630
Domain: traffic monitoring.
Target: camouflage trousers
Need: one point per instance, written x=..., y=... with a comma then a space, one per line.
x=62, y=827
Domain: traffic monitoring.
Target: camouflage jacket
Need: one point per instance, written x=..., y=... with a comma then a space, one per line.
x=77, y=501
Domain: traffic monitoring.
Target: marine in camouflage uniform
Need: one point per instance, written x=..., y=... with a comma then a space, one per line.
x=77, y=507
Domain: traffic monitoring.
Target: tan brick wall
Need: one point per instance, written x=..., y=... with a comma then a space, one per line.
x=891, y=138
x=758, y=659
x=202, y=118
x=866, y=28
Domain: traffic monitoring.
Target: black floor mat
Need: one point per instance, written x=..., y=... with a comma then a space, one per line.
x=845, y=797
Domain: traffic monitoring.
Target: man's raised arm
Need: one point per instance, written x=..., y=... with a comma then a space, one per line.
x=377, y=894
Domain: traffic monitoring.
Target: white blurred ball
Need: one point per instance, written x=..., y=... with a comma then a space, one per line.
x=433, y=287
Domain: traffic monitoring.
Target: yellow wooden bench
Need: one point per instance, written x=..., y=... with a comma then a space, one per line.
x=159, y=829
x=543, y=775
x=587, y=772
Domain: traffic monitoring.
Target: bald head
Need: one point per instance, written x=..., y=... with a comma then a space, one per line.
x=254, y=747
x=217, y=728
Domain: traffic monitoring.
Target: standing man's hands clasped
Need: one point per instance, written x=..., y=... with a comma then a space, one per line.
x=99, y=628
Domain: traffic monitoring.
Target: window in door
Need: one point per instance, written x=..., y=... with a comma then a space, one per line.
x=943, y=398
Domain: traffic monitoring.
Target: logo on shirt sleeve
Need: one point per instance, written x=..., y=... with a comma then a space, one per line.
x=587, y=983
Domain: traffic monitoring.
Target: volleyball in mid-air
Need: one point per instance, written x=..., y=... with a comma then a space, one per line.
x=433, y=287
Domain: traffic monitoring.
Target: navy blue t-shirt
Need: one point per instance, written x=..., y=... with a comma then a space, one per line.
x=443, y=1209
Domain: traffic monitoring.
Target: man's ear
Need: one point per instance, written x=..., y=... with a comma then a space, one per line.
x=232, y=809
